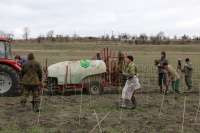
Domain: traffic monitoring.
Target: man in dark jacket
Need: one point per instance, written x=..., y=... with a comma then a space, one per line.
x=162, y=78
x=31, y=78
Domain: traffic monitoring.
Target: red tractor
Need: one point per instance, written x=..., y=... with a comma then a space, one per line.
x=9, y=70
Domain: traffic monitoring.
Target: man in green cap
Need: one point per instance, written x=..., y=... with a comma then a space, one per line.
x=31, y=79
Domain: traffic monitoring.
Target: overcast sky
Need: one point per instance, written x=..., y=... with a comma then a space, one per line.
x=98, y=17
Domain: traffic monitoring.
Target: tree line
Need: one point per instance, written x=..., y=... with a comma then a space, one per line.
x=159, y=38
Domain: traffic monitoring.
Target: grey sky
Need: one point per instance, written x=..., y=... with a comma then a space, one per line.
x=96, y=17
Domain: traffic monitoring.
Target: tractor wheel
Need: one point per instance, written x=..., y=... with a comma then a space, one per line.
x=95, y=88
x=9, y=80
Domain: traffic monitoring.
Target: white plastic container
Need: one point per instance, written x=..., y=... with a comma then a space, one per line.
x=76, y=73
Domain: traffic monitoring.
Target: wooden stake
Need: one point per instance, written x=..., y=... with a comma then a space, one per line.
x=40, y=107
x=80, y=110
x=142, y=79
x=198, y=106
x=174, y=95
x=89, y=92
x=148, y=94
x=120, y=117
x=97, y=120
x=63, y=97
x=100, y=121
x=182, y=131
x=161, y=104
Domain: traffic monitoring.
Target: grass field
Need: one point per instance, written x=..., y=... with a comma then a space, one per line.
x=155, y=113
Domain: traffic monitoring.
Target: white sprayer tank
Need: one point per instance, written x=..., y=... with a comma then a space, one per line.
x=76, y=72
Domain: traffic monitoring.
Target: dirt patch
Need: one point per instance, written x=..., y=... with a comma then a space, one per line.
x=67, y=114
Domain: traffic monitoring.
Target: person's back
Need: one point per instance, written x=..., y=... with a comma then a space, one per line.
x=172, y=73
x=31, y=73
x=31, y=78
x=174, y=77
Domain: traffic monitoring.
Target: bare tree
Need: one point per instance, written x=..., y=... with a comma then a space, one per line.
x=125, y=36
x=50, y=35
x=2, y=33
x=74, y=36
x=161, y=35
x=195, y=37
x=153, y=39
x=107, y=37
x=175, y=37
x=184, y=37
x=39, y=39
x=67, y=38
x=119, y=37
x=26, y=33
x=143, y=38
x=59, y=37
x=103, y=37
x=8, y=35
x=113, y=36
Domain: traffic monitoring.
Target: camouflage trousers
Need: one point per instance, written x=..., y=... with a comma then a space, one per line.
x=27, y=89
x=188, y=81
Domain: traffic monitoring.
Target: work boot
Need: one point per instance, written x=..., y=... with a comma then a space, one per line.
x=166, y=91
x=124, y=104
x=134, y=105
x=180, y=94
x=33, y=105
x=191, y=89
x=22, y=108
x=37, y=106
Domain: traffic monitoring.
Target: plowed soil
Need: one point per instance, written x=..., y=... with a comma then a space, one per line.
x=67, y=114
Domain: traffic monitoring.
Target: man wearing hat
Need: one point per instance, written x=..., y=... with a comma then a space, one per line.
x=31, y=79
x=162, y=78
x=132, y=83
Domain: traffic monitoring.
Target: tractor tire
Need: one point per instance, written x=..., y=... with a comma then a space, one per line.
x=95, y=88
x=9, y=80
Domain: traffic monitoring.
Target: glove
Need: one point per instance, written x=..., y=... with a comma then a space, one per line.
x=41, y=82
x=179, y=67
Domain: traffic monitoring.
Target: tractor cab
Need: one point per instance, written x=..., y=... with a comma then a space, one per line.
x=5, y=48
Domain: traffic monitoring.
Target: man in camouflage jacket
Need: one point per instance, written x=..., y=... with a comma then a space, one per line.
x=129, y=73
